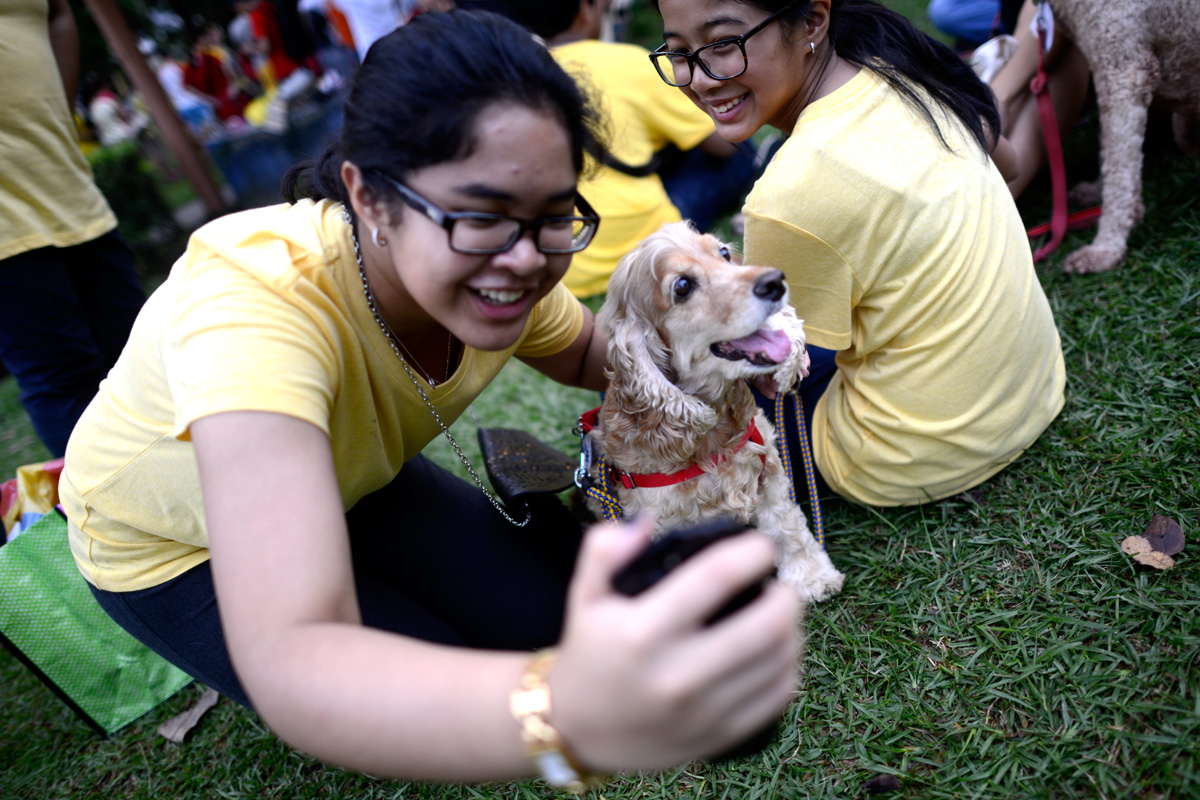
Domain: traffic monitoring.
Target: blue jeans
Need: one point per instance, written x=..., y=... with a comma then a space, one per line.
x=821, y=369
x=65, y=316
x=432, y=560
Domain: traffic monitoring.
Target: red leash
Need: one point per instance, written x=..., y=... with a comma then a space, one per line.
x=1040, y=86
x=1060, y=221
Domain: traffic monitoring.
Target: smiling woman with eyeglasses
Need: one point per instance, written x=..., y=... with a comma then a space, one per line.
x=247, y=494
x=935, y=358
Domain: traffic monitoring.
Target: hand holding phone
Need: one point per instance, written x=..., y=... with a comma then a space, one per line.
x=664, y=555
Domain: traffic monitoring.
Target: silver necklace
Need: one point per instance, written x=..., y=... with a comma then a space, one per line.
x=394, y=340
x=392, y=337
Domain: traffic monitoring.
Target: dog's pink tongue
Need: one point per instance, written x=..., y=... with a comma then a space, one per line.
x=771, y=342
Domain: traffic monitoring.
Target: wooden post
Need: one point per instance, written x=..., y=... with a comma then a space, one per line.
x=193, y=161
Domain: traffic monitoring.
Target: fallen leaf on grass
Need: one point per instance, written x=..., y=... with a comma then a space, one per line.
x=1164, y=535
x=1162, y=539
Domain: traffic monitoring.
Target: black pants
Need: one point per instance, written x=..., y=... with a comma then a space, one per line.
x=67, y=313
x=432, y=560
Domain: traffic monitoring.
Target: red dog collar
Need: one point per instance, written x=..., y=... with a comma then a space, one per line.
x=647, y=480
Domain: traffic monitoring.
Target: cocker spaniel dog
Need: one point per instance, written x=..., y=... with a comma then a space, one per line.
x=678, y=427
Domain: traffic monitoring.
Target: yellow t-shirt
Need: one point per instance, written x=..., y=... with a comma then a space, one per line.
x=911, y=260
x=47, y=195
x=642, y=115
x=264, y=312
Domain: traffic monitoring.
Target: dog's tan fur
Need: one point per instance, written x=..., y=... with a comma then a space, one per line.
x=672, y=403
x=1137, y=50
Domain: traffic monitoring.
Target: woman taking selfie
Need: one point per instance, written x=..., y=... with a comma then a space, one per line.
x=247, y=497
x=937, y=361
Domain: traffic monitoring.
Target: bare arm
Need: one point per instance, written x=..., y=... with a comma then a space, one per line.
x=1005, y=157
x=281, y=566
x=64, y=41
x=1068, y=75
x=582, y=363
x=640, y=684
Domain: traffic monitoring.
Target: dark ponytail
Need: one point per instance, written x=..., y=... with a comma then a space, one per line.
x=415, y=100
x=866, y=33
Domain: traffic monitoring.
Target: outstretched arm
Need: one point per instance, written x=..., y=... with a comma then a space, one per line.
x=640, y=683
x=281, y=566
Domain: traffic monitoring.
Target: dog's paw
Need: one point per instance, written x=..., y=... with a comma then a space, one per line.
x=1093, y=258
x=812, y=585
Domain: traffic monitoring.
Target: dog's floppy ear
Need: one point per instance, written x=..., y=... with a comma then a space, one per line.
x=641, y=402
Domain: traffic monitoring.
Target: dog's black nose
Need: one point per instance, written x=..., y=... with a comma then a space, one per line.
x=770, y=286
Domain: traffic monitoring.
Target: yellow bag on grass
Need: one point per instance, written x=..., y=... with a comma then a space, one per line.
x=33, y=493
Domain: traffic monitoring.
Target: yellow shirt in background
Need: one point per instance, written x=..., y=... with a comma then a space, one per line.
x=264, y=312
x=912, y=261
x=47, y=195
x=642, y=115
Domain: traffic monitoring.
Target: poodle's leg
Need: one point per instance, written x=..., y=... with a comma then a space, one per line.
x=1123, y=92
x=803, y=563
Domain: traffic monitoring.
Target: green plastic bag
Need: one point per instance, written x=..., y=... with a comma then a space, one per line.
x=50, y=621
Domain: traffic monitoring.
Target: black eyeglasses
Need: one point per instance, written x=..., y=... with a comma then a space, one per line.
x=722, y=60
x=476, y=233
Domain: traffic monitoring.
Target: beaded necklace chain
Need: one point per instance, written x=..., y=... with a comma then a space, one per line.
x=393, y=340
x=392, y=337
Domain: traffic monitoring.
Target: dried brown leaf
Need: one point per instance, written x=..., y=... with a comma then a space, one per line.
x=1164, y=535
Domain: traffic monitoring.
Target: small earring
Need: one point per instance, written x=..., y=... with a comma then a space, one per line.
x=813, y=51
x=377, y=239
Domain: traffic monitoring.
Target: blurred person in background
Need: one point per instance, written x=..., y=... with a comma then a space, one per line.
x=67, y=280
x=113, y=121
x=370, y=20
x=214, y=72
x=283, y=79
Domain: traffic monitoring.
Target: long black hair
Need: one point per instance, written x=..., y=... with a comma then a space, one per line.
x=868, y=34
x=415, y=100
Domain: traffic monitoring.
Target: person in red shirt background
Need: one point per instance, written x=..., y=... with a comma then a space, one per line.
x=268, y=39
x=215, y=72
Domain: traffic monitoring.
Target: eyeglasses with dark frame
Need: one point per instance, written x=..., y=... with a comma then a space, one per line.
x=726, y=58
x=477, y=233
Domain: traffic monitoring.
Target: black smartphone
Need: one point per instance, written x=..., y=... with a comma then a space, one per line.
x=664, y=555
x=667, y=553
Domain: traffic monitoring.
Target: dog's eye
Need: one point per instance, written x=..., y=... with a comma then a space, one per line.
x=682, y=287
x=725, y=253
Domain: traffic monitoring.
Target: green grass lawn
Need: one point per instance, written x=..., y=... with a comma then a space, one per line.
x=996, y=645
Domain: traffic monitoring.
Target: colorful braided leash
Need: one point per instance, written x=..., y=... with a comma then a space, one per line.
x=603, y=494
x=810, y=471
x=602, y=491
